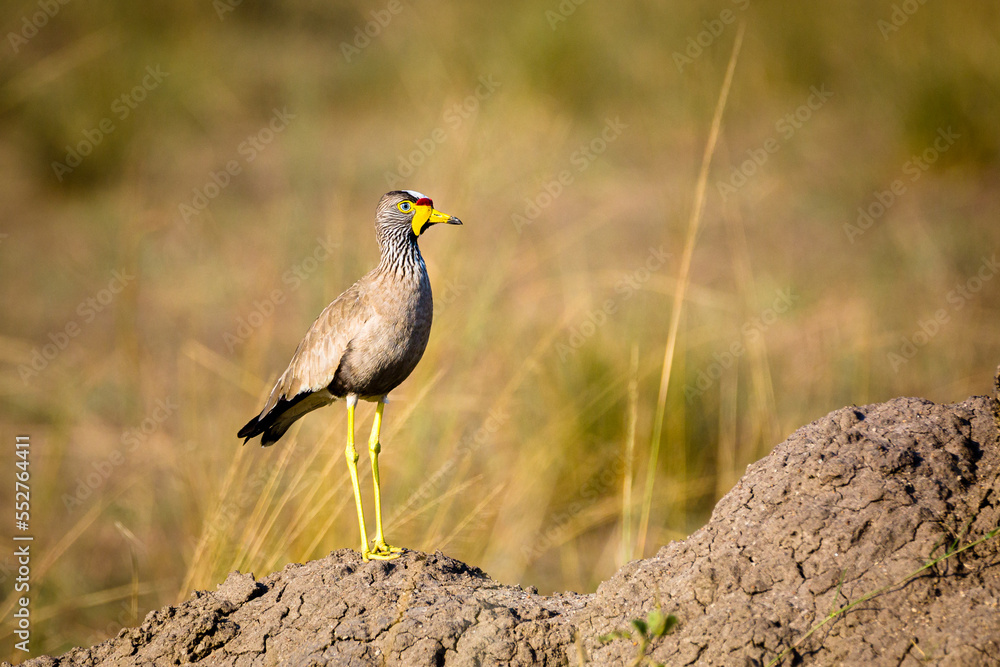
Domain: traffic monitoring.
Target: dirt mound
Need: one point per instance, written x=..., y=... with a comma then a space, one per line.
x=852, y=503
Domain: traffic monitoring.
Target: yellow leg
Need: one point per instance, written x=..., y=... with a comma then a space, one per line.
x=352, y=465
x=380, y=549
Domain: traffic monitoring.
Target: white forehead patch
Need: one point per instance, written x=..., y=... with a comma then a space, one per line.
x=416, y=195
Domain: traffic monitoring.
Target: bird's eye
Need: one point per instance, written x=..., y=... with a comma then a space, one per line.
x=404, y=206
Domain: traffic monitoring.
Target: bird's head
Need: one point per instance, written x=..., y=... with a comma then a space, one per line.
x=410, y=209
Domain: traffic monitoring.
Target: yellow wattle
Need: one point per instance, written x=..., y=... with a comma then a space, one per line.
x=420, y=218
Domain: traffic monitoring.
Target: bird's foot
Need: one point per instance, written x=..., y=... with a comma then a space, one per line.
x=381, y=551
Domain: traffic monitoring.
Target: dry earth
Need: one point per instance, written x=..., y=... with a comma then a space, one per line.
x=854, y=502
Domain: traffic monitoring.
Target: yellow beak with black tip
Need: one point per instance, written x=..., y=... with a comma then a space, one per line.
x=426, y=215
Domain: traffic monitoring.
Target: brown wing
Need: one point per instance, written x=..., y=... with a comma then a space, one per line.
x=317, y=357
x=313, y=366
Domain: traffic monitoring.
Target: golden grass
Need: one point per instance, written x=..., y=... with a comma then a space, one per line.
x=514, y=444
x=680, y=290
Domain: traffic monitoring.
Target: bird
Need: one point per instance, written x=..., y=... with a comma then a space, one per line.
x=363, y=345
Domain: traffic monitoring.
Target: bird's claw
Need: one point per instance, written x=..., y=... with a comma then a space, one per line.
x=381, y=551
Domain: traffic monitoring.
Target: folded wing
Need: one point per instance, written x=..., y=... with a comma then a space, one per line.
x=304, y=386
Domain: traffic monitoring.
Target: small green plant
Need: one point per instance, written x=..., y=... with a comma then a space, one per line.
x=644, y=631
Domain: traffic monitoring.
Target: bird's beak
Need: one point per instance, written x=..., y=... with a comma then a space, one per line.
x=427, y=216
x=438, y=216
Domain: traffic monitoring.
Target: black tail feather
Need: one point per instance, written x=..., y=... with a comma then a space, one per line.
x=251, y=429
x=272, y=426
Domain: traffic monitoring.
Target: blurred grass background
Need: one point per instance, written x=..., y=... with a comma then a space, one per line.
x=521, y=442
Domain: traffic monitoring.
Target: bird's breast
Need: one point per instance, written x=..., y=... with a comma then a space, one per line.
x=389, y=347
